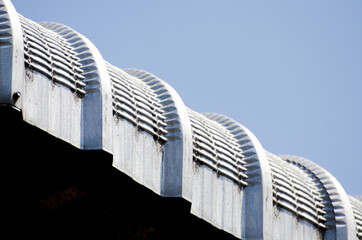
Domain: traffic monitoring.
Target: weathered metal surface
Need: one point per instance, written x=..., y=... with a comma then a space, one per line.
x=6, y=54
x=219, y=175
x=64, y=87
x=51, y=55
x=135, y=102
x=11, y=55
x=345, y=226
x=154, y=110
x=96, y=113
x=357, y=211
x=286, y=225
x=57, y=58
x=216, y=148
x=137, y=137
x=296, y=191
x=258, y=194
x=177, y=151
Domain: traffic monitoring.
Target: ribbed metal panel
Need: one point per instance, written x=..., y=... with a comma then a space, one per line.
x=246, y=146
x=218, y=200
x=85, y=59
x=295, y=190
x=169, y=120
x=216, y=148
x=135, y=102
x=357, y=211
x=12, y=68
x=330, y=221
x=209, y=159
x=5, y=26
x=96, y=115
x=341, y=210
x=176, y=178
x=139, y=132
x=287, y=226
x=6, y=55
x=51, y=55
x=258, y=194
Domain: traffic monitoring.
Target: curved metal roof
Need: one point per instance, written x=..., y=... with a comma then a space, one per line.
x=61, y=83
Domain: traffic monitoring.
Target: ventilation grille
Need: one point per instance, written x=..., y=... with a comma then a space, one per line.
x=166, y=100
x=5, y=28
x=51, y=55
x=216, y=148
x=357, y=211
x=135, y=102
x=295, y=190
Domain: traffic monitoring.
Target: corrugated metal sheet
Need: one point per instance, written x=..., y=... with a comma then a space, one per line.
x=6, y=56
x=216, y=148
x=341, y=209
x=139, y=121
x=357, y=211
x=93, y=69
x=11, y=55
x=286, y=225
x=135, y=102
x=256, y=214
x=58, y=54
x=208, y=159
x=295, y=190
x=51, y=55
x=157, y=113
x=176, y=178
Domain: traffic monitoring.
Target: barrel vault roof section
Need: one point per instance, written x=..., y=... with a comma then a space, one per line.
x=59, y=81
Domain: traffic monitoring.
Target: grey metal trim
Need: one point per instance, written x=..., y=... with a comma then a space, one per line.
x=344, y=219
x=231, y=184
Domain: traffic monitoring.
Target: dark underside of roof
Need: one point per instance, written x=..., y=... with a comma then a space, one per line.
x=53, y=190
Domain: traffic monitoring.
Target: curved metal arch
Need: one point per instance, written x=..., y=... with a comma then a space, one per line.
x=344, y=219
x=177, y=155
x=12, y=70
x=356, y=204
x=258, y=194
x=97, y=127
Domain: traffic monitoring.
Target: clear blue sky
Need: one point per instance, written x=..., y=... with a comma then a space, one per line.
x=290, y=71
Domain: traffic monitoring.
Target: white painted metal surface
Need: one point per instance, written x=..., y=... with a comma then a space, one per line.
x=96, y=111
x=12, y=69
x=345, y=226
x=177, y=151
x=357, y=211
x=60, y=82
x=258, y=195
x=139, y=129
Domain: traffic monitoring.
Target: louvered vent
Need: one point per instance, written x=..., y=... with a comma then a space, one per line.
x=357, y=211
x=295, y=190
x=216, y=148
x=5, y=29
x=135, y=102
x=51, y=55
